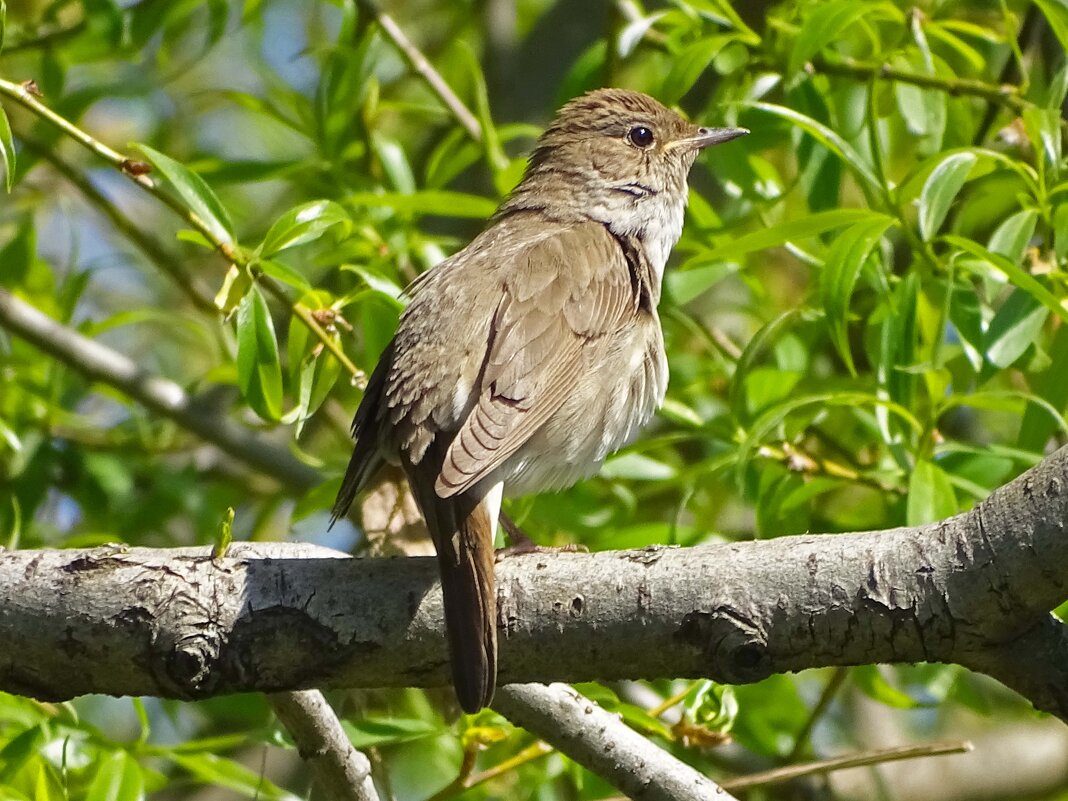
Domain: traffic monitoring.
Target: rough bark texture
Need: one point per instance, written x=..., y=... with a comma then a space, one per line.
x=975, y=589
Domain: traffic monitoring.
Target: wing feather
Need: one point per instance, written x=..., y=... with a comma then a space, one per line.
x=541, y=341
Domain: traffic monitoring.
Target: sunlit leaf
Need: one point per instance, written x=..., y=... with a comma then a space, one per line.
x=1014, y=328
x=7, y=150
x=304, y=223
x=1016, y=274
x=117, y=779
x=931, y=497
x=828, y=138
x=191, y=188
x=787, y=231
x=840, y=271
x=940, y=190
x=259, y=371
x=438, y=202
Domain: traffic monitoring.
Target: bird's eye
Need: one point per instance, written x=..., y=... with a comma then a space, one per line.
x=640, y=136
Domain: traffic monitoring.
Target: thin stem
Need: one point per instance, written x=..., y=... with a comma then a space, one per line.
x=1006, y=95
x=863, y=759
x=414, y=56
x=835, y=683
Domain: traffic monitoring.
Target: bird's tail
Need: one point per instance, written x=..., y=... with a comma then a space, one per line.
x=462, y=528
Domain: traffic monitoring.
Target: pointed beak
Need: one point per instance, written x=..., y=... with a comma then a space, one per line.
x=706, y=137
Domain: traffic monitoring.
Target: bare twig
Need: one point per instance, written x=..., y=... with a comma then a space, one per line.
x=100, y=363
x=602, y=743
x=426, y=70
x=830, y=689
x=1005, y=95
x=790, y=772
x=343, y=772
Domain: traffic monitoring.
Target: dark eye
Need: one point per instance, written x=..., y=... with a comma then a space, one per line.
x=640, y=136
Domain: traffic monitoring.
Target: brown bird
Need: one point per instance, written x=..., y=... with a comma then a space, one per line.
x=533, y=353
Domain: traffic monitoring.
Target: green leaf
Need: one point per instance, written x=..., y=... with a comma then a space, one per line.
x=784, y=232
x=7, y=150
x=1011, y=238
x=638, y=467
x=687, y=66
x=284, y=273
x=3, y=23
x=683, y=285
x=1056, y=13
x=826, y=137
x=437, y=202
x=197, y=195
x=368, y=731
x=940, y=189
x=756, y=346
x=49, y=786
x=1014, y=328
x=823, y=26
x=931, y=497
x=224, y=536
x=18, y=750
x=117, y=779
x=1016, y=274
x=259, y=371
x=1037, y=427
x=870, y=681
x=212, y=769
x=840, y=271
x=771, y=418
x=304, y=223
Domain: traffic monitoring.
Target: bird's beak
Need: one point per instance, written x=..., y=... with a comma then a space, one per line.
x=706, y=137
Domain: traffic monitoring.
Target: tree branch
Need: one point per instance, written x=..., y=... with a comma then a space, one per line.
x=424, y=69
x=343, y=772
x=605, y=745
x=1004, y=95
x=974, y=589
x=100, y=363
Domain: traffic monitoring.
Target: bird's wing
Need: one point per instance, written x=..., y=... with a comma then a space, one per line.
x=561, y=296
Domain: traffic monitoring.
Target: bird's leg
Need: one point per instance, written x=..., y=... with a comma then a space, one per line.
x=521, y=543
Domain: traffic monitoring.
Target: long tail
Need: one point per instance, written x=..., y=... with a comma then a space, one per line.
x=462, y=529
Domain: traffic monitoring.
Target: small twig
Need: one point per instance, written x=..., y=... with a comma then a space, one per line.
x=465, y=781
x=789, y=772
x=1006, y=94
x=838, y=677
x=426, y=70
x=602, y=743
x=100, y=363
x=343, y=772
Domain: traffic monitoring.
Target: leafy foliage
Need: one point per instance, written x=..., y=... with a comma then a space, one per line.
x=865, y=317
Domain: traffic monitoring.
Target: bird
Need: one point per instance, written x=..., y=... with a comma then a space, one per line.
x=525, y=359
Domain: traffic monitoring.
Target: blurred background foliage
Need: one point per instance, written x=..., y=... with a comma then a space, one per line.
x=864, y=321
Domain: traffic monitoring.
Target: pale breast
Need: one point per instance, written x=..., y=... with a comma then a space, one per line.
x=623, y=386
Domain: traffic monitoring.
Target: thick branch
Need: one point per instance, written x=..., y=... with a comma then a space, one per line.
x=174, y=623
x=100, y=363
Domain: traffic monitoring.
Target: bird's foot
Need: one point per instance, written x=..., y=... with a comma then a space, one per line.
x=522, y=544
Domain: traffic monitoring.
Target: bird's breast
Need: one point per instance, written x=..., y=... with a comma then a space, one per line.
x=621, y=387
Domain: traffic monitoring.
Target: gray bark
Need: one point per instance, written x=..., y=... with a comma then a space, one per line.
x=975, y=589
